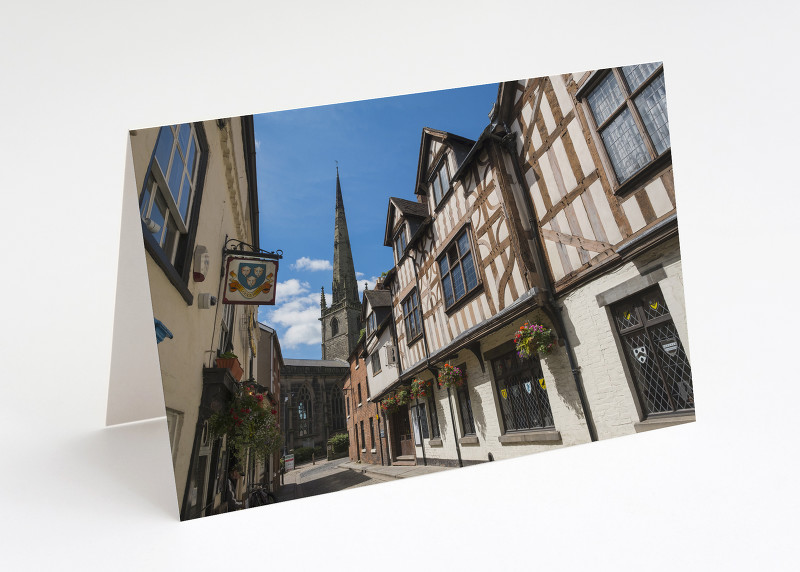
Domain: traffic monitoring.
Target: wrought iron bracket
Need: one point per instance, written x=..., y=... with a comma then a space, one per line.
x=236, y=246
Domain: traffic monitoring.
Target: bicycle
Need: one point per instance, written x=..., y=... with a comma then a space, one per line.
x=259, y=496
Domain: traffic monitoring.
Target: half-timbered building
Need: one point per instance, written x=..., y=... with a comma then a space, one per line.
x=562, y=213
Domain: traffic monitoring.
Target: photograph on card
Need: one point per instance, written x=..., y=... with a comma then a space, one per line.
x=348, y=294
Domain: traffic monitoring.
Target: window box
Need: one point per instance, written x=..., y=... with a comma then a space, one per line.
x=233, y=365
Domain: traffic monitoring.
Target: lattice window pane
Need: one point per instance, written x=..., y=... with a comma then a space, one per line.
x=636, y=75
x=674, y=365
x=652, y=105
x=465, y=407
x=645, y=373
x=625, y=146
x=523, y=394
x=605, y=99
x=654, y=306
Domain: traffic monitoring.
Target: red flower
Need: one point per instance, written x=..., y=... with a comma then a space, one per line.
x=274, y=411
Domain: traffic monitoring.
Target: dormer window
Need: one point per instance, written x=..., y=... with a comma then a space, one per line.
x=372, y=323
x=400, y=243
x=440, y=183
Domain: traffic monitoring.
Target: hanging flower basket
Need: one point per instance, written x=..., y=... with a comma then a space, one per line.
x=389, y=403
x=420, y=388
x=402, y=395
x=230, y=361
x=451, y=376
x=250, y=422
x=533, y=339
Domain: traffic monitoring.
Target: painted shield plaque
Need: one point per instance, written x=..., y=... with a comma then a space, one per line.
x=670, y=346
x=250, y=280
x=528, y=386
x=640, y=354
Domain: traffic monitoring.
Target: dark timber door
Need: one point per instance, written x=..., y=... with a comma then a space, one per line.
x=403, y=438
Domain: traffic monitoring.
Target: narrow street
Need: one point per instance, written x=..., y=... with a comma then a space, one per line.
x=324, y=477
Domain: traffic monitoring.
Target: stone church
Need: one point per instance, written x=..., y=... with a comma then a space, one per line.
x=314, y=401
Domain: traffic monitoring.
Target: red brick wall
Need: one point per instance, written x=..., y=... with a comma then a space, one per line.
x=358, y=449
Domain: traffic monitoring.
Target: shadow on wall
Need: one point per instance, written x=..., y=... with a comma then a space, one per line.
x=558, y=365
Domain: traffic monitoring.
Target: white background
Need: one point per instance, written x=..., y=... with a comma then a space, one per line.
x=719, y=494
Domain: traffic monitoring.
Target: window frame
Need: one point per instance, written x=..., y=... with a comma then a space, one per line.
x=415, y=312
x=398, y=250
x=464, y=405
x=372, y=358
x=645, y=327
x=457, y=302
x=419, y=422
x=534, y=366
x=436, y=176
x=177, y=264
x=372, y=323
x=657, y=160
x=434, y=427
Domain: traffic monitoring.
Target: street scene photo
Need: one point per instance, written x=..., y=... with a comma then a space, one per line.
x=350, y=294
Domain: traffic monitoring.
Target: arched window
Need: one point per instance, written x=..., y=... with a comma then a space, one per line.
x=304, y=412
x=338, y=419
x=334, y=327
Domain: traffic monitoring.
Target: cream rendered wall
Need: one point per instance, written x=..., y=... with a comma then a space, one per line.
x=388, y=373
x=196, y=331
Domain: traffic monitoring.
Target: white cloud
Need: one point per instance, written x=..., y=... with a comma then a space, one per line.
x=258, y=145
x=306, y=263
x=359, y=274
x=289, y=289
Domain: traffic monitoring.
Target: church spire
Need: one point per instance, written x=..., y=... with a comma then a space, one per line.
x=345, y=286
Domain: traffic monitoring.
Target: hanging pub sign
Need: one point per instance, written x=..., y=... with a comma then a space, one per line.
x=250, y=280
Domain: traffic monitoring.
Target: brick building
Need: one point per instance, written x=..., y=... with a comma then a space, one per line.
x=364, y=419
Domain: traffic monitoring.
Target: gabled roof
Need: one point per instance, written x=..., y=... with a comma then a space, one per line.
x=412, y=209
x=459, y=145
x=376, y=299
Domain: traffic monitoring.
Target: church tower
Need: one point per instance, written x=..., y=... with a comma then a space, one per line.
x=340, y=326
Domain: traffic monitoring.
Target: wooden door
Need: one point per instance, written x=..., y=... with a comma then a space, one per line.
x=403, y=437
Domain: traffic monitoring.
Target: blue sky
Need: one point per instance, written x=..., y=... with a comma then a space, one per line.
x=376, y=143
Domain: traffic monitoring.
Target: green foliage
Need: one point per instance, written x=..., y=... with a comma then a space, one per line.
x=250, y=422
x=420, y=388
x=451, y=376
x=228, y=355
x=339, y=442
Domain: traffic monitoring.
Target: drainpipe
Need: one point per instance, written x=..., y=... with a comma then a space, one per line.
x=421, y=436
x=453, y=420
x=508, y=142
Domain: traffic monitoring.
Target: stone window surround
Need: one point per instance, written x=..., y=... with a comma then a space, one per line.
x=650, y=276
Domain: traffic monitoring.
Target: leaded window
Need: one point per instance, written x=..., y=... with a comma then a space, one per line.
x=629, y=108
x=372, y=323
x=457, y=269
x=363, y=441
x=440, y=182
x=338, y=418
x=400, y=243
x=412, y=316
x=465, y=407
x=334, y=327
x=420, y=422
x=523, y=393
x=170, y=188
x=434, y=419
x=656, y=358
x=304, y=412
x=226, y=328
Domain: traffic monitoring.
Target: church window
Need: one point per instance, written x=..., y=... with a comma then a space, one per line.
x=167, y=201
x=338, y=420
x=334, y=327
x=304, y=412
